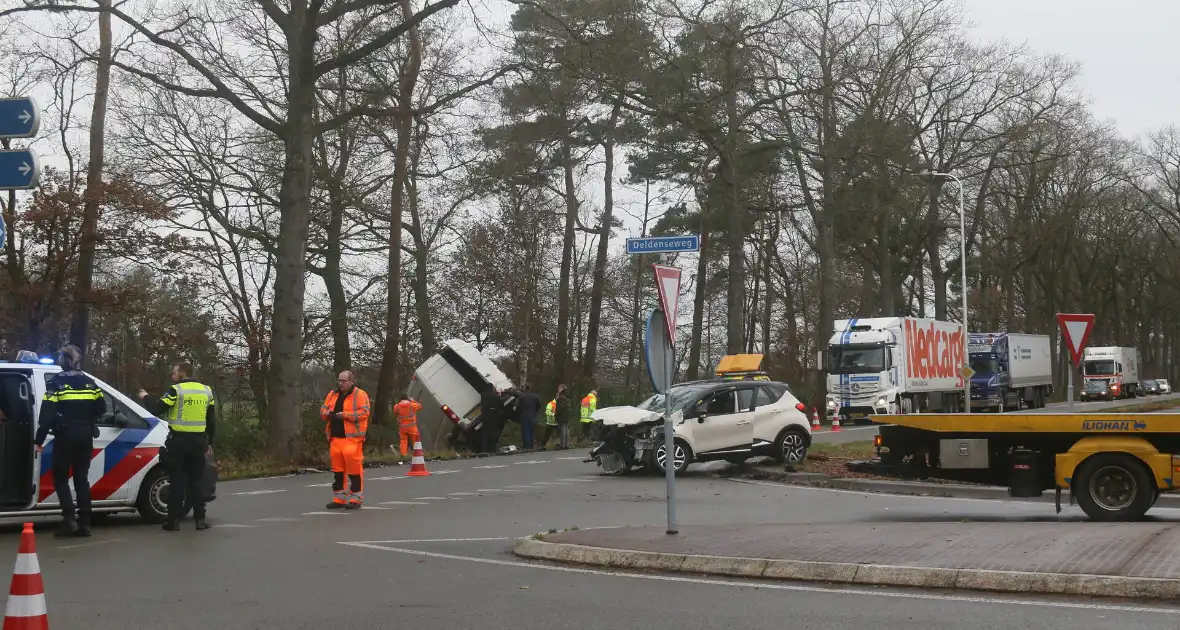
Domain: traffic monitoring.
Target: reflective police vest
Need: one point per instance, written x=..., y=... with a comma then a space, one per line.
x=188, y=406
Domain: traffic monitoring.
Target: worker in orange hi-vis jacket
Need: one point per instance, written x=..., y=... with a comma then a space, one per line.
x=346, y=418
x=407, y=421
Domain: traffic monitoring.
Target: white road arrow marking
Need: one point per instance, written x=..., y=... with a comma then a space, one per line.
x=25, y=116
x=24, y=168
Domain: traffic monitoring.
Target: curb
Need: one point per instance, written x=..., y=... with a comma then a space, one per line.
x=853, y=573
x=914, y=488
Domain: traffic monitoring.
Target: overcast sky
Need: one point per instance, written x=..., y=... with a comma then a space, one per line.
x=1129, y=50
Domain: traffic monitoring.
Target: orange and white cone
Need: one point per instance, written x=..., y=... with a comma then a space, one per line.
x=418, y=464
x=26, y=597
x=835, y=423
x=815, y=425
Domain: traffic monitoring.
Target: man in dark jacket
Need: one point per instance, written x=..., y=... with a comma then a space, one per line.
x=564, y=415
x=71, y=408
x=528, y=405
x=491, y=416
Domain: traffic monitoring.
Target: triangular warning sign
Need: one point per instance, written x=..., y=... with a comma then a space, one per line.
x=1076, y=328
x=668, y=285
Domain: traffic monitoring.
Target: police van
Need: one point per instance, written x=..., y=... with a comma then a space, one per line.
x=126, y=473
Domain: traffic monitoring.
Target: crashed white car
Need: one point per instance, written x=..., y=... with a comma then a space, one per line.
x=730, y=420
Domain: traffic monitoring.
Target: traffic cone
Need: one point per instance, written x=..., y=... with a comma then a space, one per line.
x=418, y=464
x=815, y=425
x=835, y=423
x=26, y=597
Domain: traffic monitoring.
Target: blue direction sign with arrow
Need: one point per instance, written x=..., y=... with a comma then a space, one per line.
x=18, y=169
x=664, y=244
x=19, y=117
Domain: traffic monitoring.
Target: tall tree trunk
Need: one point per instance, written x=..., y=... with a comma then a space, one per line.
x=421, y=280
x=933, y=248
x=334, y=284
x=285, y=426
x=80, y=324
x=561, y=360
x=387, y=378
x=608, y=200
x=698, y=300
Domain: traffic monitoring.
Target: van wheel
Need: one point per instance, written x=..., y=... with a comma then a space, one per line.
x=1114, y=487
x=153, y=497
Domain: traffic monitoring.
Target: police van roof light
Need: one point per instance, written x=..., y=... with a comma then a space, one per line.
x=27, y=356
x=45, y=360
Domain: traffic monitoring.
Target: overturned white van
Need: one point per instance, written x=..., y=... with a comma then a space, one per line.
x=449, y=385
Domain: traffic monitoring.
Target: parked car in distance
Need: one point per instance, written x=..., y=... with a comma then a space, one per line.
x=1165, y=388
x=1150, y=387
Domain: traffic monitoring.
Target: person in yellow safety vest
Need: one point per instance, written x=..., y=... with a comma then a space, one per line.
x=550, y=427
x=407, y=421
x=589, y=406
x=190, y=410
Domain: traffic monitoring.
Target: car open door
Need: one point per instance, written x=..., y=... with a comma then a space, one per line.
x=18, y=426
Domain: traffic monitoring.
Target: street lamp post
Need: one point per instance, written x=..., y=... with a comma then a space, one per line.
x=963, y=266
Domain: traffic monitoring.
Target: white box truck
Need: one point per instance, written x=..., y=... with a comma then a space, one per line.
x=1117, y=368
x=449, y=385
x=891, y=365
x=1011, y=370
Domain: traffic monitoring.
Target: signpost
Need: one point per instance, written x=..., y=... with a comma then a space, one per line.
x=18, y=169
x=1076, y=329
x=663, y=244
x=19, y=117
x=660, y=348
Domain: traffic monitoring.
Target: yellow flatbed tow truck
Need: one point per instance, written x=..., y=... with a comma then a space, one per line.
x=1114, y=465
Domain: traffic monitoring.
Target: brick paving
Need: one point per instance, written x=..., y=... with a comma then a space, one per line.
x=1126, y=549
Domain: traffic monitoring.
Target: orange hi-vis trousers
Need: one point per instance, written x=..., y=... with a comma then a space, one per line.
x=348, y=458
x=409, y=435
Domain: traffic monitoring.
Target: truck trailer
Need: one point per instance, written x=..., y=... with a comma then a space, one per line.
x=1116, y=368
x=895, y=365
x=1114, y=465
x=1011, y=370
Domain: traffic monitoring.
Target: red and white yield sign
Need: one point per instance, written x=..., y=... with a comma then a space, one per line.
x=668, y=284
x=1076, y=328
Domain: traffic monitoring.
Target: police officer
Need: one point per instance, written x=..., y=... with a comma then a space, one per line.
x=70, y=410
x=192, y=419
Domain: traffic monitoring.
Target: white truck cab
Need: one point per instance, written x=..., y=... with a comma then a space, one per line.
x=125, y=470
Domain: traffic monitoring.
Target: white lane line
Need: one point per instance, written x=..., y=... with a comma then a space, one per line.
x=93, y=543
x=386, y=478
x=535, y=461
x=320, y=485
x=519, y=486
x=461, y=494
x=373, y=507
x=430, y=498
x=487, y=490
x=277, y=519
x=445, y=472
x=485, y=467
x=571, y=458
x=552, y=483
x=404, y=503
x=238, y=494
x=578, y=480
x=228, y=525
x=433, y=540
x=774, y=586
x=333, y=513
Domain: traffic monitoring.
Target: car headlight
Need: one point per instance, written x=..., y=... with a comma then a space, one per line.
x=882, y=401
x=831, y=404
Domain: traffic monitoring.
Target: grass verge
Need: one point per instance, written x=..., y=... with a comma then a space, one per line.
x=846, y=450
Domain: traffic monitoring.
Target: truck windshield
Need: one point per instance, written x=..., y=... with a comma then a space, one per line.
x=856, y=359
x=985, y=364
x=1099, y=368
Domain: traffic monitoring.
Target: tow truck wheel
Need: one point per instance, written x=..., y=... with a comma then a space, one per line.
x=153, y=497
x=1114, y=487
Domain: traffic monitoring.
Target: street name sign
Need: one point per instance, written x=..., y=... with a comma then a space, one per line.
x=663, y=244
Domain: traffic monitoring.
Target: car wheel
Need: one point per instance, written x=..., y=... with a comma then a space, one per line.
x=152, y=502
x=681, y=459
x=791, y=447
x=1114, y=487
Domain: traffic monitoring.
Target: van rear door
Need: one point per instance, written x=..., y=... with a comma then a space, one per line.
x=18, y=463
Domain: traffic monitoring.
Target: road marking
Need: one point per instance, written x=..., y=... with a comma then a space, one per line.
x=320, y=485
x=373, y=507
x=579, y=480
x=571, y=458
x=434, y=540
x=771, y=586
x=277, y=519
x=484, y=467
x=332, y=513
x=229, y=525
x=93, y=543
x=535, y=461
x=519, y=486
x=238, y=494
x=387, y=478
x=404, y=503
x=460, y=494
x=487, y=490
x=446, y=472
x=429, y=498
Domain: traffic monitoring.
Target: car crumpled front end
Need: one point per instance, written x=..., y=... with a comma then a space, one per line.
x=628, y=435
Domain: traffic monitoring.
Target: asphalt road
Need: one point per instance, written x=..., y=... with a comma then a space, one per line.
x=433, y=553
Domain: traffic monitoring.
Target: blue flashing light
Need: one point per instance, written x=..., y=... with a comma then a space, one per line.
x=45, y=361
